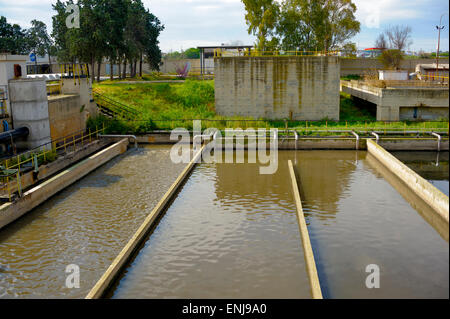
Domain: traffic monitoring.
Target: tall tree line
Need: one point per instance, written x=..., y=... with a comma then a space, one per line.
x=122, y=31
x=15, y=40
x=311, y=25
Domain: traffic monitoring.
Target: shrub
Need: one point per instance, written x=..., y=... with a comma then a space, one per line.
x=391, y=59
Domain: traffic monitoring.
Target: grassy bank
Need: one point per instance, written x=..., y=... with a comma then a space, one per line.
x=165, y=106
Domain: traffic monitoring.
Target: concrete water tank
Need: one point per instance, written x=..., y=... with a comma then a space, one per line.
x=29, y=108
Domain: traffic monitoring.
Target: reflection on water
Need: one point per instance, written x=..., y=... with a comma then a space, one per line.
x=86, y=224
x=433, y=166
x=371, y=224
x=230, y=233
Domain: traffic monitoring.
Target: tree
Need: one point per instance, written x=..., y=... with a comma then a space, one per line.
x=123, y=31
x=60, y=32
x=192, y=53
x=303, y=24
x=349, y=49
x=295, y=26
x=399, y=37
x=391, y=59
x=339, y=24
x=39, y=40
x=381, y=42
x=261, y=17
x=152, y=50
x=12, y=38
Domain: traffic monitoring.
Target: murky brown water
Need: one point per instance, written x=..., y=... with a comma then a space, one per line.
x=357, y=218
x=230, y=233
x=86, y=224
x=433, y=166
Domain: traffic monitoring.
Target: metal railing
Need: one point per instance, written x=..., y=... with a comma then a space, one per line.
x=53, y=89
x=432, y=77
x=114, y=108
x=12, y=167
x=275, y=53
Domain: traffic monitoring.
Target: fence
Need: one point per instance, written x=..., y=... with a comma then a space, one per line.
x=278, y=53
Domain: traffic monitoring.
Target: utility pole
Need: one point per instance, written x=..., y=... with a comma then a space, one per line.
x=439, y=28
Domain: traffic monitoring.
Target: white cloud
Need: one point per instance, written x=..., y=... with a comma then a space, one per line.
x=387, y=11
x=191, y=23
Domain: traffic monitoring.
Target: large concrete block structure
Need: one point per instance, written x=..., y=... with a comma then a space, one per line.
x=298, y=88
x=29, y=107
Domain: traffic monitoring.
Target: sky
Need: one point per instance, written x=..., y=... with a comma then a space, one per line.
x=190, y=23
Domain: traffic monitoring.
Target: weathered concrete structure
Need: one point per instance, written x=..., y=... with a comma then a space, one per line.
x=64, y=115
x=29, y=108
x=402, y=103
x=11, y=67
x=299, y=88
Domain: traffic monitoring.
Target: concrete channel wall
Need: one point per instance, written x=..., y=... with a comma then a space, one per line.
x=37, y=195
x=339, y=143
x=126, y=253
x=298, y=88
x=427, y=192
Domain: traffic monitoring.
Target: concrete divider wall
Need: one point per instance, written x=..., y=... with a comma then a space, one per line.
x=37, y=195
x=120, y=261
x=427, y=192
x=308, y=253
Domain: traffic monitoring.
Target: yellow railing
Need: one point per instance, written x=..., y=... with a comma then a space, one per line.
x=43, y=154
x=256, y=53
x=433, y=77
x=54, y=88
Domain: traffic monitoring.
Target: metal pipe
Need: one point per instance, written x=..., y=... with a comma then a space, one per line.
x=376, y=136
x=296, y=138
x=439, y=140
x=124, y=136
x=6, y=137
x=357, y=140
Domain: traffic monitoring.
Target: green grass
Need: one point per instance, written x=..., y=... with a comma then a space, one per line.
x=166, y=106
x=351, y=77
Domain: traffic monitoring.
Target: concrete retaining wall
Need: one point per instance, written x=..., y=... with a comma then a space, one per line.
x=299, y=88
x=311, y=143
x=427, y=192
x=65, y=115
x=37, y=195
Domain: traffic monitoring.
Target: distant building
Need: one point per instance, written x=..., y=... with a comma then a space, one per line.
x=226, y=50
x=41, y=65
x=372, y=52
